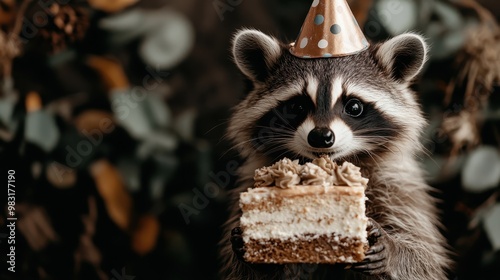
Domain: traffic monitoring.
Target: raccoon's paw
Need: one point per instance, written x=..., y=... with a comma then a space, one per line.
x=376, y=256
x=237, y=243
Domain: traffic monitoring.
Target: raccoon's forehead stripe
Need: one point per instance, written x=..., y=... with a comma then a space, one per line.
x=324, y=95
x=337, y=90
x=312, y=88
x=323, y=104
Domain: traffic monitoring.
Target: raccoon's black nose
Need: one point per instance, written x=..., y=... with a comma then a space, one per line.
x=321, y=137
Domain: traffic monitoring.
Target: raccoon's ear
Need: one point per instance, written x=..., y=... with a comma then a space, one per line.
x=403, y=56
x=255, y=53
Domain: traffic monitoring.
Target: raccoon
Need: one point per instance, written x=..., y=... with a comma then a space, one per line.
x=358, y=108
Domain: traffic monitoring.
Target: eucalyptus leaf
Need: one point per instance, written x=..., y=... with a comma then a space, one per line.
x=41, y=130
x=170, y=43
x=131, y=112
x=7, y=105
x=8, y=100
x=492, y=226
x=129, y=168
x=158, y=142
x=184, y=124
x=397, y=16
x=167, y=35
x=482, y=169
x=439, y=168
x=158, y=111
x=125, y=26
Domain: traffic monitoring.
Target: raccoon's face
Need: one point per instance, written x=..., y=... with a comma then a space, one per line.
x=347, y=107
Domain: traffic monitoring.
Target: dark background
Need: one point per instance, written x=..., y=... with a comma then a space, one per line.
x=147, y=189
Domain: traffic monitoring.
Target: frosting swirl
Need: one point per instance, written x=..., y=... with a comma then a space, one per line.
x=350, y=175
x=321, y=171
x=326, y=164
x=283, y=174
x=313, y=174
x=263, y=177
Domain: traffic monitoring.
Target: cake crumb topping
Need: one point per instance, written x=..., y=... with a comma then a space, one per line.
x=321, y=171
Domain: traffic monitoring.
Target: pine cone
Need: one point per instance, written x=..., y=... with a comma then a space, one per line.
x=66, y=26
x=7, y=9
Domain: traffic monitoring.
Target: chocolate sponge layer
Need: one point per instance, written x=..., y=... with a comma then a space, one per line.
x=305, y=249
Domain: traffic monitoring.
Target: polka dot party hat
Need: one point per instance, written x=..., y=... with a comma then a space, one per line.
x=330, y=30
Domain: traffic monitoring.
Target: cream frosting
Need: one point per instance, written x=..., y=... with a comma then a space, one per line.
x=321, y=171
x=312, y=174
x=283, y=174
x=350, y=175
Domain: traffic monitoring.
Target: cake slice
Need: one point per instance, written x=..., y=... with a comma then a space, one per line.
x=312, y=213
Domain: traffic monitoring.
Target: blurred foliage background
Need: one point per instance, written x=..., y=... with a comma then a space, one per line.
x=113, y=115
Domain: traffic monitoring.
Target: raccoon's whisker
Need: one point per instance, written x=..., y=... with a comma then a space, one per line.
x=302, y=151
x=380, y=141
x=378, y=165
x=427, y=153
x=356, y=158
x=242, y=144
x=272, y=146
x=373, y=156
x=379, y=130
x=279, y=156
x=391, y=150
x=278, y=130
x=385, y=137
x=224, y=122
x=274, y=150
x=300, y=154
x=282, y=118
x=274, y=139
x=295, y=154
x=232, y=148
x=375, y=139
x=281, y=137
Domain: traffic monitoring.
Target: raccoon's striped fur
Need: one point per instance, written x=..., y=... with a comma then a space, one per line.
x=291, y=97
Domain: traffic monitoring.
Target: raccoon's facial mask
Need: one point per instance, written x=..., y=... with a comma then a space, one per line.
x=298, y=128
x=354, y=127
x=274, y=131
x=301, y=108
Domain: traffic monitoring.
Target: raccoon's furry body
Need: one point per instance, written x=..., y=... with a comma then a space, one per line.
x=364, y=101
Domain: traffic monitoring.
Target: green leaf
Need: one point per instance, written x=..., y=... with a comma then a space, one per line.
x=482, y=169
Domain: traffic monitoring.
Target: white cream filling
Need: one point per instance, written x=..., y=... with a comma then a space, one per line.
x=310, y=214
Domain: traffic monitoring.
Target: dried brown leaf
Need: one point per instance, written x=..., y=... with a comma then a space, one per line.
x=145, y=234
x=111, y=6
x=112, y=189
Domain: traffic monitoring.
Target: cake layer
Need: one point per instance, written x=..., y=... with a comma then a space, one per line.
x=258, y=194
x=284, y=214
x=313, y=249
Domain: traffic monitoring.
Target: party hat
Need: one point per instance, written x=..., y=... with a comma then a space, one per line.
x=330, y=30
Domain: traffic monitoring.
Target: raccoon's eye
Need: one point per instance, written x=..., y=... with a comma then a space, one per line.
x=353, y=108
x=296, y=108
